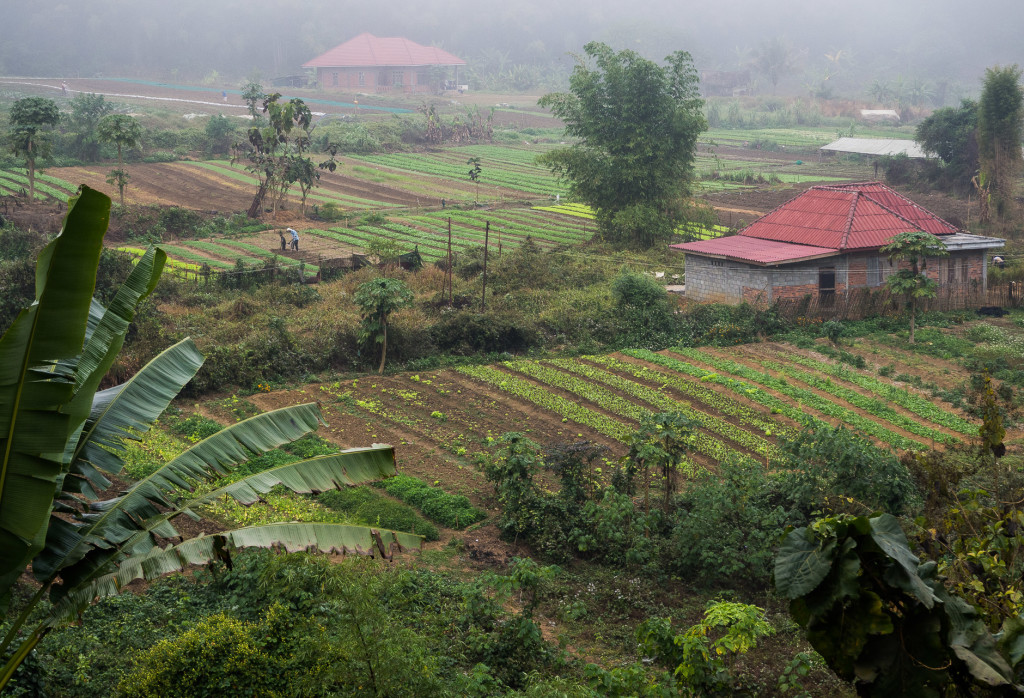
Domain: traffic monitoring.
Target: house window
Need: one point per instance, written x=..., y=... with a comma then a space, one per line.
x=826, y=284
x=396, y=78
x=717, y=263
x=362, y=79
x=874, y=272
x=334, y=79
x=950, y=265
x=964, y=270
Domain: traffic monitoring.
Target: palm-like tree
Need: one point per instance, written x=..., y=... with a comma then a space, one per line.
x=60, y=436
x=124, y=132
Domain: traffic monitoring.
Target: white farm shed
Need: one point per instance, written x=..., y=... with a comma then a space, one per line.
x=877, y=146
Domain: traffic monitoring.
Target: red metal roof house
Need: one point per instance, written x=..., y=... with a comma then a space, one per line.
x=825, y=242
x=372, y=64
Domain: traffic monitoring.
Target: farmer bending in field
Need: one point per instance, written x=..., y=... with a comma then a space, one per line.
x=295, y=239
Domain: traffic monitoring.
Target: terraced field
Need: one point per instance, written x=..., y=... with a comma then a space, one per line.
x=744, y=398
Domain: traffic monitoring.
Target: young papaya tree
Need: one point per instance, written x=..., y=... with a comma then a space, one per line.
x=60, y=437
x=914, y=248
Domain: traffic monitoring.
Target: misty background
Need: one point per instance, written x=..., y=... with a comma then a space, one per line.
x=833, y=48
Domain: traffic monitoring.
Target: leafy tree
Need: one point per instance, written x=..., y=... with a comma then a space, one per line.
x=31, y=120
x=881, y=618
x=377, y=299
x=950, y=133
x=661, y=443
x=61, y=437
x=124, y=132
x=637, y=124
x=1000, y=131
x=474, y=174
x=774, y=59
x=913, y=248
x=252, y=95
x=220, y=132
x=86, y=111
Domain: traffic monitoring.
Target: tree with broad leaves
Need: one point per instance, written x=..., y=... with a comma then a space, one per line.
x=31, y=121
x=1000, y=131
x=913, y=248
x=661, y=444
x=884, y=620
x=377, y=299
x=636, y=124
x=474, y=174
x=60, y=437
x=86, y=111
x=124, y=132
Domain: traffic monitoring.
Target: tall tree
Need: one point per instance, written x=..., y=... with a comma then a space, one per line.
x=86, y=111
x=31, y=121
x=950, y=133
x=774, y=59
x=1000, y=131
x=377, y=299
x=60, y=437
x=911, y=282
x=124, y=132
x=637, y=125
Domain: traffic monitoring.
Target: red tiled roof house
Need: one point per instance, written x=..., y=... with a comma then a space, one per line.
x=371, y=64
x=825, y=242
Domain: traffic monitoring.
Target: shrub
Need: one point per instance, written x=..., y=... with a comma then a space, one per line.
x=726, y=527
x=375, y=510
x=449, y=510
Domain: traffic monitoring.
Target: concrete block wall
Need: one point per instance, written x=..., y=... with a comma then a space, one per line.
x=723, y=281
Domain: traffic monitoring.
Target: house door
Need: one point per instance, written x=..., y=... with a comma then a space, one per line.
x=826, y=284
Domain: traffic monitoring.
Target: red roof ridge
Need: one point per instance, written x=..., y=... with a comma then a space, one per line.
x=849, y=221
x=858, y=187
x=787, y=202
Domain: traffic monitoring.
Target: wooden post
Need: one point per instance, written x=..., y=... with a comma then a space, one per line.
x=448, y=272
x=483, y=296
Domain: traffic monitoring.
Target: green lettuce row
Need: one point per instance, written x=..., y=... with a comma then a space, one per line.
x=899, y=396
x=665, y=403
x=805, y=397
x=547, y=400
x=864, y=402
x=712, y=398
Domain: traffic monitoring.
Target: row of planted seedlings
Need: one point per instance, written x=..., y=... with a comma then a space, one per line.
x=12, y=182
x=228, y=171
x=587, y=382
x=902, y=397
x=805, y=398
x=536, y=180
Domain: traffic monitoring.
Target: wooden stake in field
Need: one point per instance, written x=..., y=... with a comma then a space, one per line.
x=446, y=286
x=483, y=296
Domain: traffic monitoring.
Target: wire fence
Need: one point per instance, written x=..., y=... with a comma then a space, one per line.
x=857, y=304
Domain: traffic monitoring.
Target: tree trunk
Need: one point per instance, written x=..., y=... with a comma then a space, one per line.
x=257, y=202
x=383, y=349
x=913, y=314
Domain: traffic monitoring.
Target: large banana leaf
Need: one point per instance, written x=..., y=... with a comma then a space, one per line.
x=111, y=523
x=351, y=467
x=292, y=537
x=33, y=430
x=120, y=412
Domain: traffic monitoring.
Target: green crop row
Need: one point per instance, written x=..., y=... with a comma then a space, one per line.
x=804, y=397
x=41, y=187
x=214, y=248
x=547, y=400
x=187, y=254
x=449, y=510
x=50, y=179
x=899, y=396
x=705, y=443
x=873, y=405
x=709, y=397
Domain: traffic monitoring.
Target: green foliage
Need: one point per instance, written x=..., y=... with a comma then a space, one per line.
x=220, y=133
x=725, y=527
x=377, y=299
x=373, y=509
x=698, y=659
x=950, y=133
x=833, y=469
x=881, y=618
x=31, y=121
x=449, y=510
x=913, y=248
x=1000, y=131
x=86, y=111
x=637, y=125
x=659, y=445
x=643, y=310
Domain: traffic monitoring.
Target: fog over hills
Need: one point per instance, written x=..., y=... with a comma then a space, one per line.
x=827, y=41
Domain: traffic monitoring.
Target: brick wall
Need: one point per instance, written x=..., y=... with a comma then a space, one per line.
x=722, y=281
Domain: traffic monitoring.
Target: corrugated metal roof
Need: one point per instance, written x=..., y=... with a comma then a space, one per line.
x=825, y=220
x=753, y=250
x=878, y=146
x=369, y=51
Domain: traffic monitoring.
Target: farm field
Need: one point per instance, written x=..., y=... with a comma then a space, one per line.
x=744, y=398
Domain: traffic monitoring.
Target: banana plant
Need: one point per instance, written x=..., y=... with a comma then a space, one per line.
x=60, y=437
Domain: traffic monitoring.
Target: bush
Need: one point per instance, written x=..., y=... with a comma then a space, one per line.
x=468, y=333
x=373, y=509
x=449, y=510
